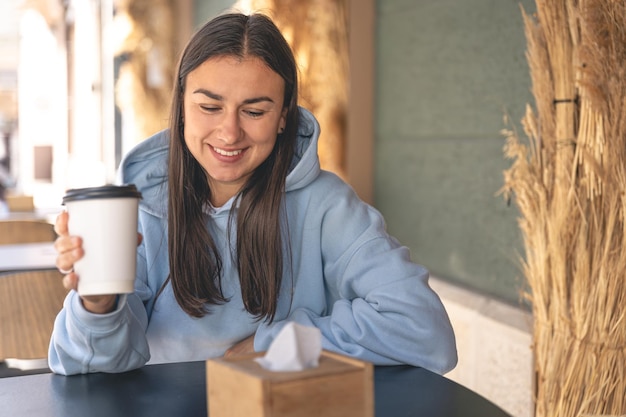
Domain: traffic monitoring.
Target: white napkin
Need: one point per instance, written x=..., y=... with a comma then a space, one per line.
x=295, y=348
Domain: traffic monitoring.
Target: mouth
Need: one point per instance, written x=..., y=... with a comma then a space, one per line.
x=228, y=155
x=224, y=152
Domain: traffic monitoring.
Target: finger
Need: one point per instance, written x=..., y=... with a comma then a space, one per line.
x=65, y=260
x=139, y=239
x=60, y=226
x=66, y=271
x=70, y=281
x=65, y=244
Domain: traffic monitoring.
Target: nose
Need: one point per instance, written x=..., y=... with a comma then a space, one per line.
x=230, y=128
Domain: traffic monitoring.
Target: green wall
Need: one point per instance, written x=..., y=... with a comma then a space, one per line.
x=207, y=9
x=447, y=73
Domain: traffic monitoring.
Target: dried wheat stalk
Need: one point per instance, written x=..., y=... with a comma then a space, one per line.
x=570, y=183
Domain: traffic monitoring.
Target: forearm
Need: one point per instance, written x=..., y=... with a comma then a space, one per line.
x=375, y=305
x=358, y=330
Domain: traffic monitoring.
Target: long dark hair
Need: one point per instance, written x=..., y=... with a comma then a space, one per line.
x=195, y=263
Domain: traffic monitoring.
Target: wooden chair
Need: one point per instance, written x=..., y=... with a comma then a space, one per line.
x=25, y=231
x=29, y=304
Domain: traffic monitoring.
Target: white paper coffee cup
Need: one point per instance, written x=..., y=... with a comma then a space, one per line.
x=106, y=220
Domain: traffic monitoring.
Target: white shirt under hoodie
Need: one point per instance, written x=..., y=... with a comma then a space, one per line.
x=347, y=277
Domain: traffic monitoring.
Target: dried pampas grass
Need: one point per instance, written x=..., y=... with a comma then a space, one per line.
x=569, y=182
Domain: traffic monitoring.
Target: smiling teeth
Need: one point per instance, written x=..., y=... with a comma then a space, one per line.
x=227, y=153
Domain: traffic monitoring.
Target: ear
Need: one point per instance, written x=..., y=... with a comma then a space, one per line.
x=283, y=121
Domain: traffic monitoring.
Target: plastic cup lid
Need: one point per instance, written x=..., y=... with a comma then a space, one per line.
x=106, y=191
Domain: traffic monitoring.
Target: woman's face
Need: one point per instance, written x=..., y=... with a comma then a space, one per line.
x=233, y=111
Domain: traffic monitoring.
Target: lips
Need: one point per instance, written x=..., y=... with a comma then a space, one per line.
x=224, y=152
x=226, y=155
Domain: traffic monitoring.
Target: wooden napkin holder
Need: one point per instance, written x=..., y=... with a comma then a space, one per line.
x=339, y=387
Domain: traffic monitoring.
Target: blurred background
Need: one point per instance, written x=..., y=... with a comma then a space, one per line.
x=84, y=81
x=412, y=98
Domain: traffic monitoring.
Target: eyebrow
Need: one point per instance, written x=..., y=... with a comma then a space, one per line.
x=221, y=98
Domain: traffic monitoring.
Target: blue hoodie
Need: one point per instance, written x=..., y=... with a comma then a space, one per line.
x=347, y=277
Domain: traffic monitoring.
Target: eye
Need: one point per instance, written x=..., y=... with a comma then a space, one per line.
x=254, y=113
x=209, y=109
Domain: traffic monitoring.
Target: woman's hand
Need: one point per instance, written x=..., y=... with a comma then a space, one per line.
x=70, y=250
x=241, y=348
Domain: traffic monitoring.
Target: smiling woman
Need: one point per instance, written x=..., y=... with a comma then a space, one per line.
x=243, y=232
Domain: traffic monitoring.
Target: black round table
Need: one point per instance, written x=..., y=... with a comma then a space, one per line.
x=179, y=389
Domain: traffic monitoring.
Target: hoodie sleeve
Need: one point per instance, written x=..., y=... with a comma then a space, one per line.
x=380, y=306
x=83, y=342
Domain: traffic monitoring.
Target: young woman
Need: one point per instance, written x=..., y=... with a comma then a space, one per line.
x=243, y=233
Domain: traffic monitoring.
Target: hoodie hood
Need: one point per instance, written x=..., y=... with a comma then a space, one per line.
x=305, y=166
x=146, y=165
